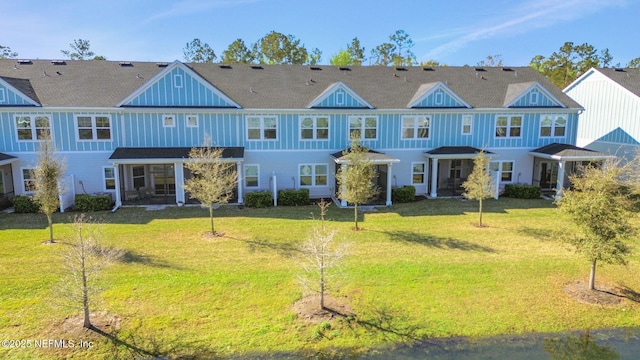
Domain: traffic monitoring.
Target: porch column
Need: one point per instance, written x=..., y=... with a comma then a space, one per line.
x=343, y=202
x=434, y=178
x=116, y=173
x=560, y=181
x=389, y=180
x=179, y=175
x=240, y=172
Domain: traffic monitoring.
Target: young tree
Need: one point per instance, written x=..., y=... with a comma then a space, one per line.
x=277, y=48
x=237, y=53
x=600, y=205
x=83, y=259
x=403, y=45
x=47, y=175
x=356, y=51
x=213, y=179
x=321, y=258
x=479, y=185
x=383, y=54
x=80, y=50
x=7, y=53
x=198, y=52
x=342, y=58
x=356, y=178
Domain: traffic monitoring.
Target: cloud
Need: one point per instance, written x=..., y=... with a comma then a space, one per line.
x=188, y=7
x=525, y=18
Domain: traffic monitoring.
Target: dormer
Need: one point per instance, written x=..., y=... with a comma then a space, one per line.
x=176, y=85
x=529, y=94
x=339, y=95
x=436, y=95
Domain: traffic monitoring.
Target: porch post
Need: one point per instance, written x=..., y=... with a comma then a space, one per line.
x=179, y=175
x=434, y=178
x=343, y=202
x=240, y=172
x=116, y=173
x=389, y=180
x=560, y=181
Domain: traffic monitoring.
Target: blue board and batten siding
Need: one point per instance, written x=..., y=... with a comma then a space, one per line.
x=10, y=97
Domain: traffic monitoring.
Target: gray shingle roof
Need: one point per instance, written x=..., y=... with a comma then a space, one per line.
x=105, y=83
x=627, y=78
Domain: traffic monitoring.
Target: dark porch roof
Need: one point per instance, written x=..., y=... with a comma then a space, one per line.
x=558, y=151
x=7, y=159
x=372, y=155
x=455, y=152
x=149, y=153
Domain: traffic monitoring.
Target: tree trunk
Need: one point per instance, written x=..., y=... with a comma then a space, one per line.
x=480, y=212
x=355, y=215
x=85, y=294
x=211, y=219
x=322, y=279
x=50, y=220
x=592, y=276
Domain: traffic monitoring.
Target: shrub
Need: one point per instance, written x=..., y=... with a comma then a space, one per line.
x=25, y=204
x=87, y=203
x=522, y=191
x=259, y=199
x=404, y=194
x=293, y=197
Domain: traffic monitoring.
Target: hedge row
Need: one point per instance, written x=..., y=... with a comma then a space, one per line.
x=404, y=194
x=293, y=197
x=522, y=191
x=259, y=199
x=25, y=204
x=87, y=203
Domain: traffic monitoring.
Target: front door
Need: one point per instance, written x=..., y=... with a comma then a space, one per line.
x=548, y=174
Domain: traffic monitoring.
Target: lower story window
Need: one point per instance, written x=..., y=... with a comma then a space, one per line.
x=138, y=177
x=109, y=174
x=418, y=173
x=251, y=174
x=504, y=169
x=28, y=180
x=313, y=174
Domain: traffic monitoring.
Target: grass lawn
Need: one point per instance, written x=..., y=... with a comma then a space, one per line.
x=417, y=270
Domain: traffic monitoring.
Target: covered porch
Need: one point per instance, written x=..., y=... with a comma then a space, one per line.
x=7, y=190
x=450, y=167
x=146, y=176
x=384, y=175
x=554, y=163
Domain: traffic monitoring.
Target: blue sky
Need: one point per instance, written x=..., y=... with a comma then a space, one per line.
x=453, y=32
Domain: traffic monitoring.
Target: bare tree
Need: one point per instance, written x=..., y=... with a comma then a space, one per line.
x=479, y=185
x=321, y=258
x=47, y=176
x=83, y=260
x=81, y=50
x=356, y=183
x=213, y=178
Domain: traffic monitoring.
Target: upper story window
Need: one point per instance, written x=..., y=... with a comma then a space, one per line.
x=31, y=127
x=415, y=127
x=509, y=126
x=363, y=127
x=192, y=121
x=467, y=124
x=28, y=180
x=314, y=128
x=93, y=127
x=262, y=127
x=168, y=121
x=553, y=125
x=313, y=174
x=504, y=169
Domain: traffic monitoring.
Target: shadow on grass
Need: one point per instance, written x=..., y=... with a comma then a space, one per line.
x=131, y=257
x=388, y=321
x=132, y=346
x=283, y=249
x=542, y=234
x=628, y=293
x=435, y=241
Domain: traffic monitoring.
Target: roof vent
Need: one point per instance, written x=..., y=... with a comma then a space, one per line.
x=257, y=67
x=480, y=69
x=315, y=68
x=428, y=69
x=620, y=70
x=162, y=65
x=59, y=62
x=507, y=69
x=401, y=68
x=225, y=67
x=25, y=62
x=344, y=68
x=125, y=64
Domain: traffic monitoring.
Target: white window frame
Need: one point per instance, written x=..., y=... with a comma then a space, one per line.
x=439, y=98
x=423, y=173
x=315, y=128
x=314, y=175
x=24, y=180
x=534, y=97
x=340, y=98
x=105, y=178
x=33, y=127
x=415, y=127
x=500, y=169
x=262, y=128
x=468, y=118
x=178, y=81
x=94, y=127
x=363, y=126
x=188, y=119
x=257, y=176
x=2, y=96
x=554, y=125
x=509, y=126
x=166, y=118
